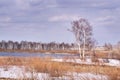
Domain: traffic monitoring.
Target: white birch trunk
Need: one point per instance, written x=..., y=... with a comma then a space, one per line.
x=79, y=48
x=84, y=41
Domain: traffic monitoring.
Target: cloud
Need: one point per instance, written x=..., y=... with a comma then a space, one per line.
x=5, y=19
x=43, y=4
x=104, y=20
x=100, y=4
x=22, y=4
x=30, y=4
x=63, y=17
x=44, y=17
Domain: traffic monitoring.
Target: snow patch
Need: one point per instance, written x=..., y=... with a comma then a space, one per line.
x=88, y=76
x=19, y=72
x=109, y=62
x=82, y=76
x=113, y=62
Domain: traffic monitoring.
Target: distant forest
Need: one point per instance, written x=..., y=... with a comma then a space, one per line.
x=38, y=46
x=25, y=45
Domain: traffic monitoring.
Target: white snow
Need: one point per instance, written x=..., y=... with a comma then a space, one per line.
x=11, y=72
x=82, y=76
x=88, y=76
x=87, y=61
x=111, y=62
x=19, y=72
x=58, y=60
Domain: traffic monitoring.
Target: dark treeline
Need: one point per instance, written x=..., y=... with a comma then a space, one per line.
x=25, y=45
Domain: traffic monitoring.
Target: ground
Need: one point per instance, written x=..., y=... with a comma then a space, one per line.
x=58, y=69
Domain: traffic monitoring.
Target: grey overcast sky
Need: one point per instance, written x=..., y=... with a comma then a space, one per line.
x=48, y=20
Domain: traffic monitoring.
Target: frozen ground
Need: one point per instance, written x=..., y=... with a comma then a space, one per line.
x=114, y=62
x=19, y=72
x=16, y=72
x=110, y=62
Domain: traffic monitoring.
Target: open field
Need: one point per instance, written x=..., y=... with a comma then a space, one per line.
x=59, y=69
x=66, y=68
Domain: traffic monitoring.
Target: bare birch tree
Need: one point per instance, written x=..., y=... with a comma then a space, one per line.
x=83, y=34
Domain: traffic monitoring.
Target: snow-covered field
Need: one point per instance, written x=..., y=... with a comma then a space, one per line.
x=19, y=72
x=110, y=62
x=22, y=72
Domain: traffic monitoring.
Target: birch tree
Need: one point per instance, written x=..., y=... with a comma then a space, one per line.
x=83, y=34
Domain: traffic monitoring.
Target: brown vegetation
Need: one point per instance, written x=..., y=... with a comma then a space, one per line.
x=55, y=69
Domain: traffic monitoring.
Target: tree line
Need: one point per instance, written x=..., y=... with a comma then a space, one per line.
x=25, y=45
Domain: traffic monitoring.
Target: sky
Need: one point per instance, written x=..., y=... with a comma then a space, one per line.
x=49, y=20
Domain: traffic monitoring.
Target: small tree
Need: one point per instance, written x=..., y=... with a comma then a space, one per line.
x=118, y=46
x=108, y=46
x=83, y=34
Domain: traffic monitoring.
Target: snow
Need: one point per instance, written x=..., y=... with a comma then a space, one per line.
x=58, y=60
x=82, y=76
x=19, y=72
x=87, y=61
x=88, y=76
x=113, y=62
x=12, y=73
x=109, y=62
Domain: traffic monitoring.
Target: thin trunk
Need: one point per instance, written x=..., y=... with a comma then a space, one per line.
x=83, y=55
x=79, y=49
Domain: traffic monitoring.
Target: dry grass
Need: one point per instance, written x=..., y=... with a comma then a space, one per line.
x=45, y=65
x=112, y=72
x=106, y=54
x=56, y=69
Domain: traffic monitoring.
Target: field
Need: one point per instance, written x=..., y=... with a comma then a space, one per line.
x=102, y=65
x=36, y=68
